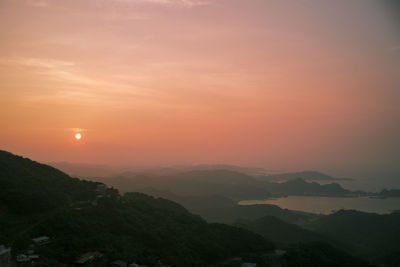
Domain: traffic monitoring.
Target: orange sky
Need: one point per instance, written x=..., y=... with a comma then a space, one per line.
x=284, y=85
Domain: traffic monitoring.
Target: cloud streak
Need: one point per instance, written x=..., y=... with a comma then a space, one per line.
x=64, y=71
x=187, y=3
x=38, y=3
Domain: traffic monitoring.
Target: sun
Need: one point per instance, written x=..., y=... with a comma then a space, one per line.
x=78, y=136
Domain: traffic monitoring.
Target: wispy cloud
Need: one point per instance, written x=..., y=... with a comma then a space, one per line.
x=72, y=82
x=187, y=3
x=59, y=70
x=38, y=3
x=45, y=63
x=171, y=3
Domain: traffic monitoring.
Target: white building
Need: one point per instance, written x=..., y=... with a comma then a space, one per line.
x=42, y=240
x=5, y=254
x=101, y=188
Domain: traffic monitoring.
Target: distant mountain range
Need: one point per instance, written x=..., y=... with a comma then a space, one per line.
x=102, y=170
x=305, y=175
x=81, y=216
x=233, y=182
x=88, y=170
x=38, y=200
x=227, y=183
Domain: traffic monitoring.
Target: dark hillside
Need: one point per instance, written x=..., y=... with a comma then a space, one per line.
x=29, y=187
x=280, y=231
x=38, y=200
x=372, y=235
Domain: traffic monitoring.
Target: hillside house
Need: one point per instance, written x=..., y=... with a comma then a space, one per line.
x=22, y=258
x=118, y=263
x=91, y=259
x=5, y=255
x=41, y=240
x=101, y=188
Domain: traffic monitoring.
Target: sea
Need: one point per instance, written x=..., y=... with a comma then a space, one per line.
x=327, y=205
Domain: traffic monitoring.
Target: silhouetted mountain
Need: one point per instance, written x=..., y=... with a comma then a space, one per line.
x=233, y=185
x=80, y=216
x=92, y=170
x=215, y=208
x=389, y=193
x=82, y=170
x=210, y=167
x=233, y=182
x=134, y=227
x=301, y=187
x=217, y=176
x=320, y=254
x=371, y=235
x=226, y=183
x=27, y=186
x=305, y=175
x=280, y=231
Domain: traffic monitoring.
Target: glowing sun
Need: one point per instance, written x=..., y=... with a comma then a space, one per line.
x=78, y=136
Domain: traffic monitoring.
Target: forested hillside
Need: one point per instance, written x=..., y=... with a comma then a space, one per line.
x=38, y=200
x=80, y=217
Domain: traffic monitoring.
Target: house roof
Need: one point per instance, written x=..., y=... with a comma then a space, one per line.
x=119, y=263
x=40, y=239
x=89, y=256
x=4, y=250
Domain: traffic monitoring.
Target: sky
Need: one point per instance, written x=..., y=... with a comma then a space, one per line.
x=284, y=85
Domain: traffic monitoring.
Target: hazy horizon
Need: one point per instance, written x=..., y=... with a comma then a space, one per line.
x=283, y=85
